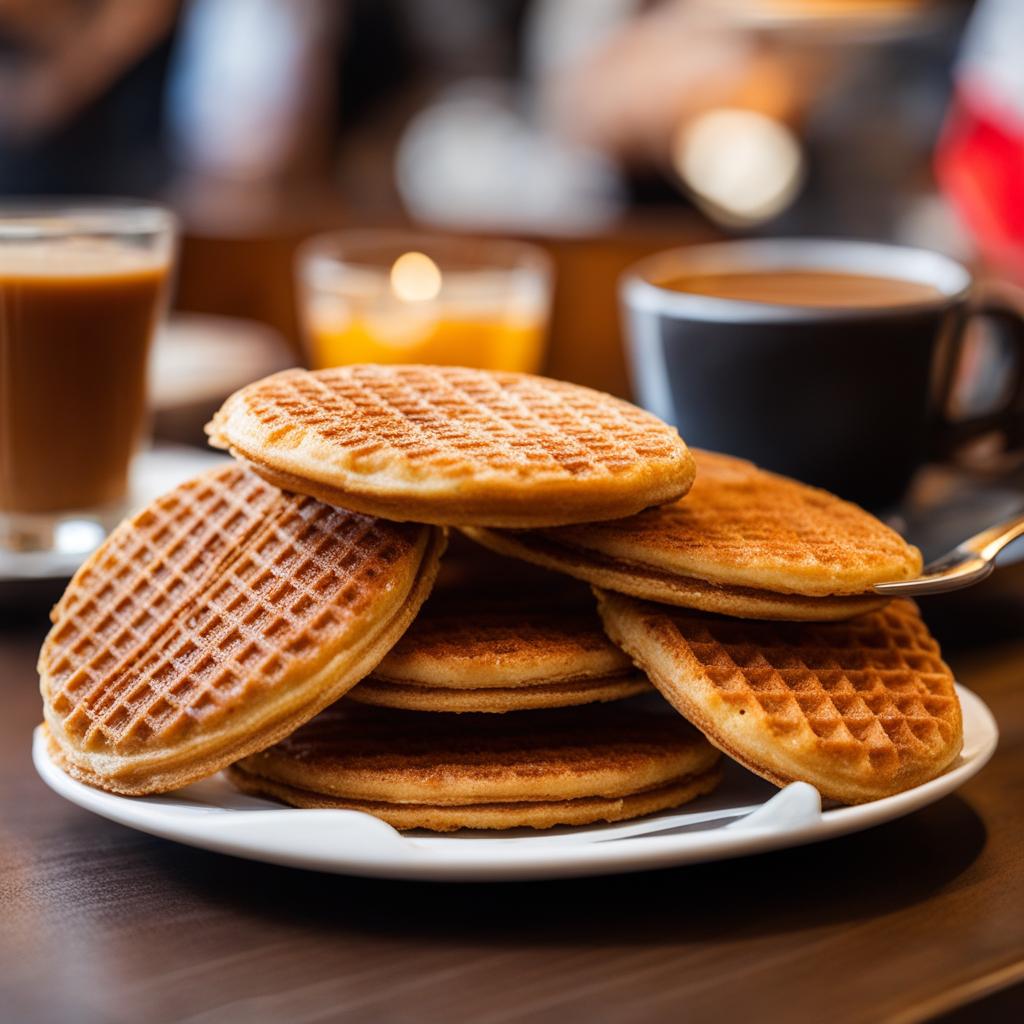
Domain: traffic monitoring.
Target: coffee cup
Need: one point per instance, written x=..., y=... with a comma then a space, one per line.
x=832, y=361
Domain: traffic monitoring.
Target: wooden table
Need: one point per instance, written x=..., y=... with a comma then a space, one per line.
x=919, y=917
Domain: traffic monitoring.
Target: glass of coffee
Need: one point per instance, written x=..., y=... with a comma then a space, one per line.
x=83, y=287
x=832, y=361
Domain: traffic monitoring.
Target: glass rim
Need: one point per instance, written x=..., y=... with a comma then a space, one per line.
x=45, y=217
x=350, y=248
x=642, y=287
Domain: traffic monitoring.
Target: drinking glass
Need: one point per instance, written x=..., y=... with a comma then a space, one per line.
x=83, y=286
x=392, y=297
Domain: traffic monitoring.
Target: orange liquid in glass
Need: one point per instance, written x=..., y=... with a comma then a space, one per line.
x=496, y=343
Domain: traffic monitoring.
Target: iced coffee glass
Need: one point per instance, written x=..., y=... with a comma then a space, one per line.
x=83, y=286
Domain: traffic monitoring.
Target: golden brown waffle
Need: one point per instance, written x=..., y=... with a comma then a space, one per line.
x=744, y=542
x=215, y=622
x=443, y=772
x=861, y=709
x=499, y=699
x=537, y=814
x=503, y=646
x=449, y=445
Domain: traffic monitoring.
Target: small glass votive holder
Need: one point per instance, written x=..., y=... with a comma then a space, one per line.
x=393, y=297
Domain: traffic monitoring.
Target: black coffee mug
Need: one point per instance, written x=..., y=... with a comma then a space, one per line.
x=852, y=399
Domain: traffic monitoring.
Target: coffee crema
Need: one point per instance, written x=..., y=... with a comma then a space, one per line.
x=820, y=289
x=75, y=329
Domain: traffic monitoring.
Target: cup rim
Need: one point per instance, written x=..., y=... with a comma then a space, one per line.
x=55, y=217
x=330, y=247
x=638, y=291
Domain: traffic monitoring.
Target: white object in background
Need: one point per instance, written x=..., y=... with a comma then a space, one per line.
x=198, y=358
x=745, y=815
x=243, y=75
x=989, y=60
x=470, y=161
x=740, y=166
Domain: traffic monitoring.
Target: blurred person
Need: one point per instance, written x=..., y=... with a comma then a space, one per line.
x=306, y=106
x=629, y=90
x=841, y=101
x=81, y=85
x=258, y=107
x=536, y=114
x=131, y=96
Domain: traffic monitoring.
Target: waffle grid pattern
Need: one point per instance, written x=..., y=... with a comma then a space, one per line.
x=739, y=518
x=176, y=539
x=876, y=683
x=179, y=637
x=461, y=423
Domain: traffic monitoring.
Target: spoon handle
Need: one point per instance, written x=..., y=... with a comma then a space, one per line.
x=968, y=563
x=990, y=542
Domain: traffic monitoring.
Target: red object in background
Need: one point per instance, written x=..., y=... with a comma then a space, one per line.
x=980, y=157
x=980, y=166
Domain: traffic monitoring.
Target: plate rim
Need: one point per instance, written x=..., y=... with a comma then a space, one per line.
x=427, y=859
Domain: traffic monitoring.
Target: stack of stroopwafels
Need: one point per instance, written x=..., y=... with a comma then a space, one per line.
x=223, y=624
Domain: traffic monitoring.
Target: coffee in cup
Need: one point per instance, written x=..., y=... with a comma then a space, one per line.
x=830, y=361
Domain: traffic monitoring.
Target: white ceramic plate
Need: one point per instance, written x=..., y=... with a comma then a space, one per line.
x=745, y=815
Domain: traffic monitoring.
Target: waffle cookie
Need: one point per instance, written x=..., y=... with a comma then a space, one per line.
x=216, y=621
x=502, y=647
x=744, y=542
x=454, y=446
x=444, y=772
x=860, y=709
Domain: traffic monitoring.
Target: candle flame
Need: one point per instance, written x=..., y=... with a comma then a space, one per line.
x=415, y=277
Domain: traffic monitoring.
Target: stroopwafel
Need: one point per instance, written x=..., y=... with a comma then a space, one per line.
x=499, y=646
x=860, y=709
x=454, y=446
x=443, y=772
x=744, y=542
x=217, y=620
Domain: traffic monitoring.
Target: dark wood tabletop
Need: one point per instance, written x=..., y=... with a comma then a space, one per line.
x=918, y=918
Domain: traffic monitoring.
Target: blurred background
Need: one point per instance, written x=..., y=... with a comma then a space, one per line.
x=599, y=130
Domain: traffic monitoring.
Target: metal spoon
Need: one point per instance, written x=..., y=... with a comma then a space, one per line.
x=968, y=563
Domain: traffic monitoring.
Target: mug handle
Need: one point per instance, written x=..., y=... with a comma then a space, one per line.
x=1007, y=316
